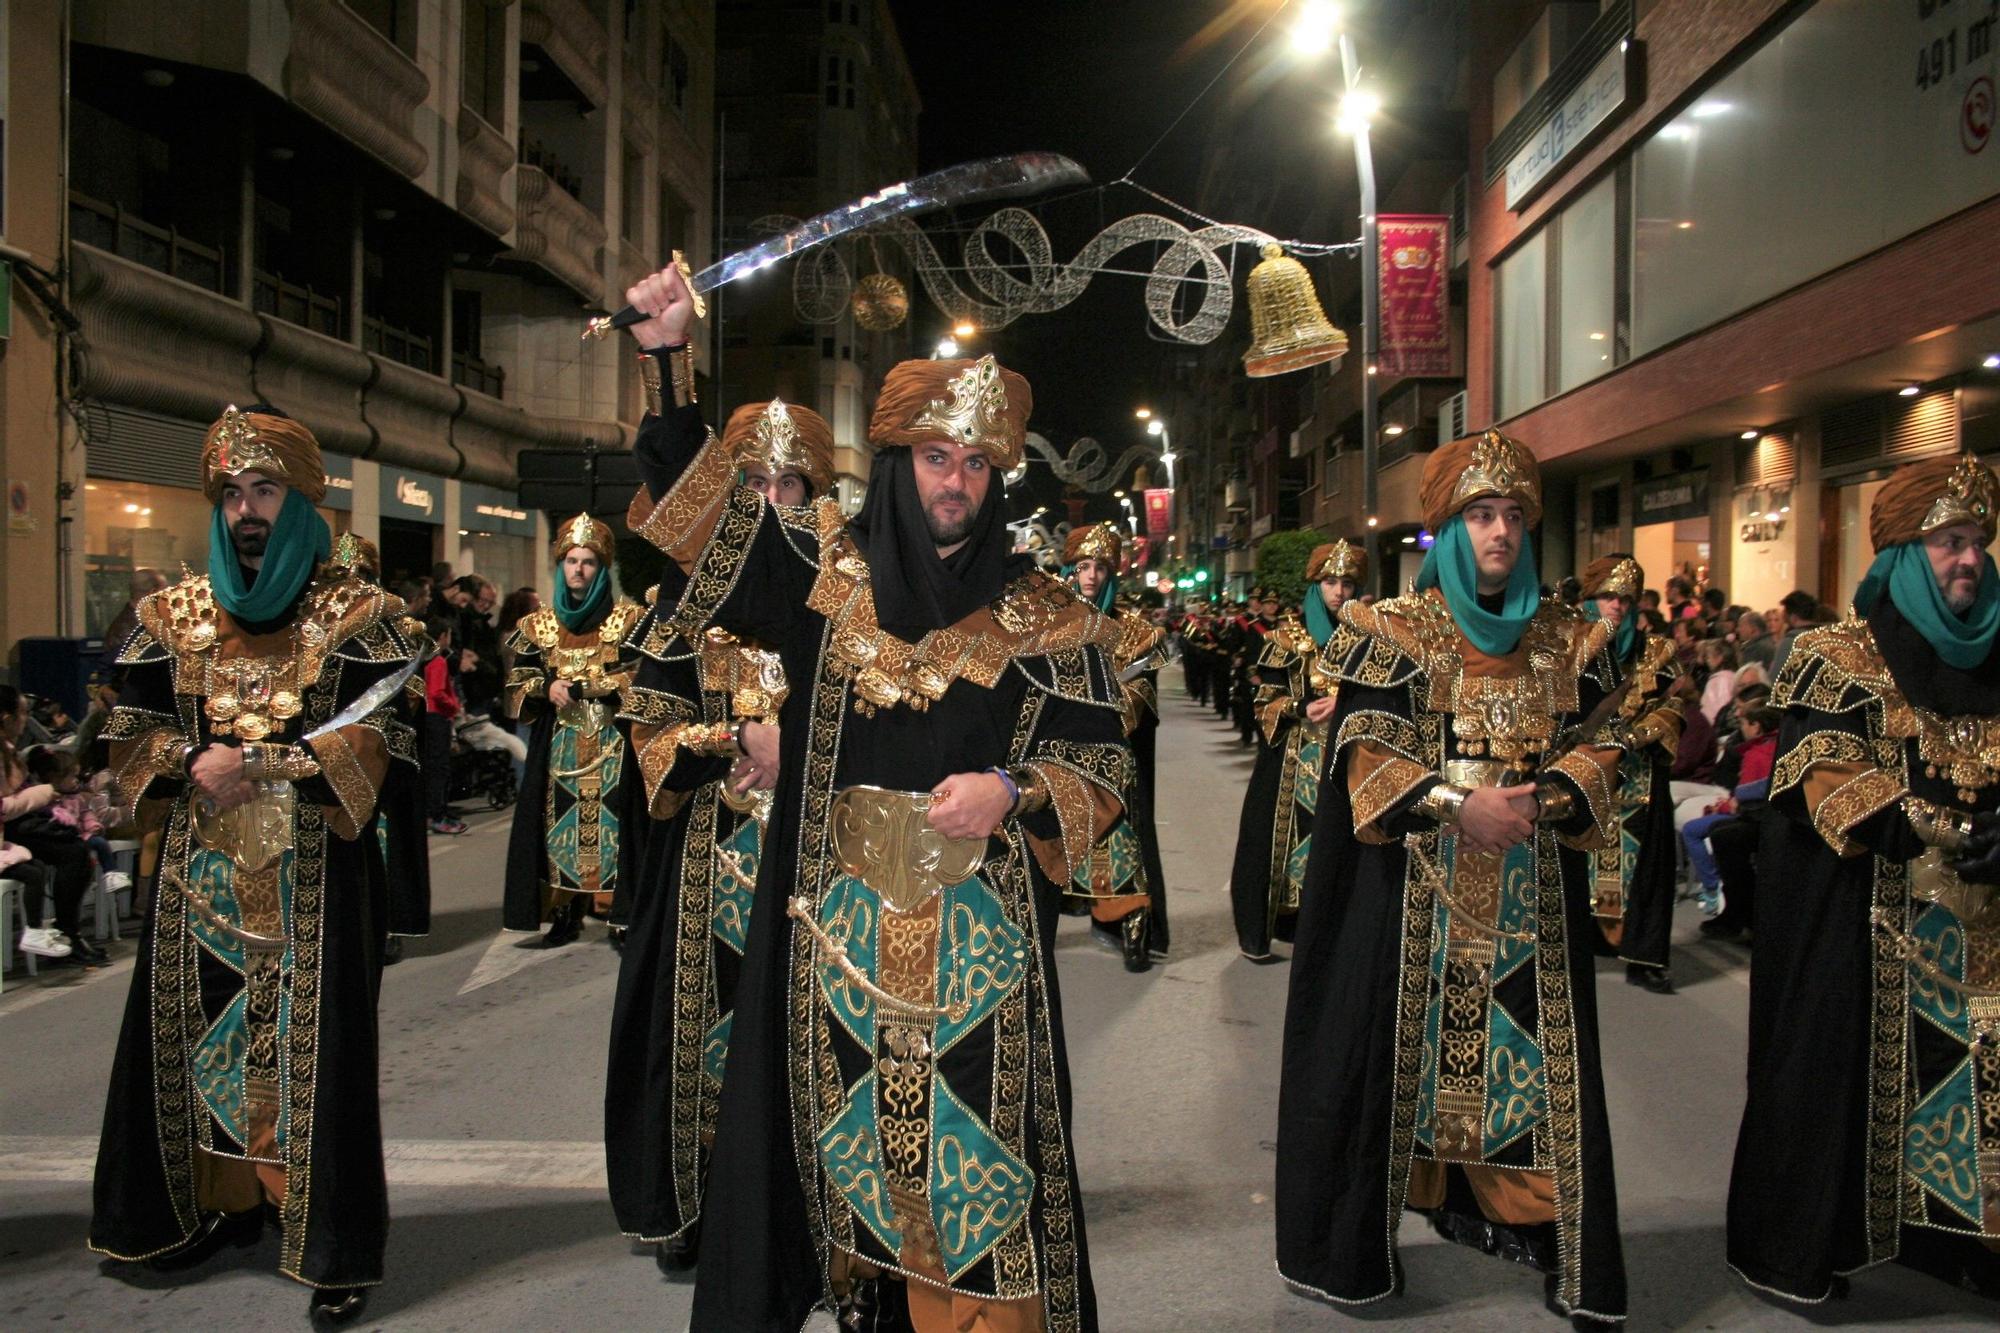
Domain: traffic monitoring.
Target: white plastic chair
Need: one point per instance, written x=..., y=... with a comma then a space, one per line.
x=124, y=852
x=11, y=906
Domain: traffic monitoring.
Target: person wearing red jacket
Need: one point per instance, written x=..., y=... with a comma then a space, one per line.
x=441, y=710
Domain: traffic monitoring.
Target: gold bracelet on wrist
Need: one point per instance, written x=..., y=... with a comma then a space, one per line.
x=1443, y=802
x=266, y=762
x=1553, y=804
x=649, y=382
x=1034, y=792
x=715, y=740
x=1936, y=825
x=680, y=365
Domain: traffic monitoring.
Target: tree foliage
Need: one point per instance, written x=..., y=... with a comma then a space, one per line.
x=1281, y=563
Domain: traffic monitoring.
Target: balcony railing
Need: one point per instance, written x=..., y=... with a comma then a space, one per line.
x=270, y=294
x=399, y=345
x=110, y=228
x=469, y=371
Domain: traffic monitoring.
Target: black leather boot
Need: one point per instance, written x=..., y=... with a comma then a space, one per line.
x=676, y=1257
x=875, y=1305
x=215, y=1233
x=1138, y=958
x=332, y=1307
x=565, y=927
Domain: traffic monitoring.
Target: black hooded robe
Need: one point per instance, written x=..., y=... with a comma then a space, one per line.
x=796, y=1195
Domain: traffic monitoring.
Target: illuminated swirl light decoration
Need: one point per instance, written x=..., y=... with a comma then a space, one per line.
x=1033, y=283
x=1088, y=466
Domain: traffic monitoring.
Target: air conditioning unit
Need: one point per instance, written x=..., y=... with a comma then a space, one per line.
x=1451, y=419
x=1236, y=495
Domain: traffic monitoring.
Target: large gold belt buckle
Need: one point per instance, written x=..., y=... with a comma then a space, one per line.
x=1932, y=880
x=587, y=715
x=252, y=835
x=884, y=839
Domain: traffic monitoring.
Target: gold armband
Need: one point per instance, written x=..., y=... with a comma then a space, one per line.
x=1034, y=792
x=649, y=381
x=714, y=740
x=277, y=763
x=1553, y=804
x=1937, y=826
x=1443, y=802
x=680, y=365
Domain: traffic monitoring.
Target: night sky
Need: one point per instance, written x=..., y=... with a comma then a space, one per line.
x=1099, y=81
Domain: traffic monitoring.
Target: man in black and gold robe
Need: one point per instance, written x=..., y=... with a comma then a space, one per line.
x=1872, y=1127
x=1125, y=884
x=1441, y=1047
x=692, y=700
x=952, y=746
x=256, y=731
x=1634, y=881
x=1274, y=830
x=573, y=815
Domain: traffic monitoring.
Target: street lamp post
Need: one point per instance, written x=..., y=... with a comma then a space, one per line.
x=1158, y=426
x=1318, y=29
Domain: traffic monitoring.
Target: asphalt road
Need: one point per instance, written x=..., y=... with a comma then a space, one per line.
x=492, y=1077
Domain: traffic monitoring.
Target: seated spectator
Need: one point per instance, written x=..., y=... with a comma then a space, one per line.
x=1748, y=765
x=1718, y=663
x=441, y=710
x=57, y=863
x=1694, y=756
x=81, y=806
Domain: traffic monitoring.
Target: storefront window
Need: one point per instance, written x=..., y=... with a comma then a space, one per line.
x=129, y=526
x=1586, y=283
x=1522, y=325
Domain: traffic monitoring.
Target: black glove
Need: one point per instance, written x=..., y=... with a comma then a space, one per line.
x=1984, y=870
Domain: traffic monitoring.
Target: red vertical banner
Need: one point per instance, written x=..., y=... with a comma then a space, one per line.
x=1413, y=251
x=1159, y=511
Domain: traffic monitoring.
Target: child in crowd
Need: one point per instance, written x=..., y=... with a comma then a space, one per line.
x=441, y=710
x=81, y=807
x=1746, y=770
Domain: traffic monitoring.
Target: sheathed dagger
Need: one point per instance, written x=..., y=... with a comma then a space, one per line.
x=1010, y=176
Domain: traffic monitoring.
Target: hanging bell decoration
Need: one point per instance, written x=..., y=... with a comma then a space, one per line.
x=880, y=303
x=1288, y=329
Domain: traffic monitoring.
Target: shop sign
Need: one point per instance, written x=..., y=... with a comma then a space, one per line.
x=1664, y=499
x=1415, y=296
x=1159, y=511
x=412, y=496
x=339, y=473
x=1599, y=99
x=487, y=509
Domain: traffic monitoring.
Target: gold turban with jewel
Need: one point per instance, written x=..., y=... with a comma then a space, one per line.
x=972, y=403
x=585, y=531
x=1935, y=493
x=277, y=447
x=1480, y=467
x=1340, y=559
x=779, y=436
x=1098, y=541
x=1613, y=576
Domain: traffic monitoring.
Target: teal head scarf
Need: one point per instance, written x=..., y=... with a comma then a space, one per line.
x=1628, y=628
x=299, y=540
x=577, y=613
x=1107, y=596
x=1903, y=571
x=1319, y=620
x=1452, y=567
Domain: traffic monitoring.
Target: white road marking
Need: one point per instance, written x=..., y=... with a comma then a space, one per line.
x=505, y=956
x=426, y=1163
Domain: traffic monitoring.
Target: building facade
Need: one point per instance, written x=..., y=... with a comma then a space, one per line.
x=816, y=107
x=1730, y=265
x=388, y=218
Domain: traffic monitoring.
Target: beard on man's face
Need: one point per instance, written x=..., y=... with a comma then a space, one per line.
x=949, y=531
x=250, y=536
